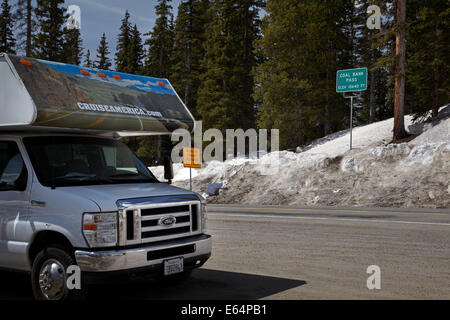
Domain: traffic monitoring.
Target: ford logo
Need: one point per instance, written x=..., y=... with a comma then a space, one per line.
x=167, y=221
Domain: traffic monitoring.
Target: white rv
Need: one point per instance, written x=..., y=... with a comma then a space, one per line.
x=72, y=194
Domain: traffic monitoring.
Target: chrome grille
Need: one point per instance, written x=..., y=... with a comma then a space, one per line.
x=145, y=223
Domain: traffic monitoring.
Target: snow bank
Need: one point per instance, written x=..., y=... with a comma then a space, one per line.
x=435, y=134
x=374, y=173
x=362, y=136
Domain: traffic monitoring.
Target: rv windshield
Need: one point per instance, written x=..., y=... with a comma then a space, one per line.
x=72, y=161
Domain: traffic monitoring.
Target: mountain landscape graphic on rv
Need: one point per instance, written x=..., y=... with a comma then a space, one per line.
x=76, y=97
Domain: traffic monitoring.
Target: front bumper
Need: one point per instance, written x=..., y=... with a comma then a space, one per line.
x=129, y=259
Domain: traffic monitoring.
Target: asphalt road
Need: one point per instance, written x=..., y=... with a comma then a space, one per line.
x=305, y=253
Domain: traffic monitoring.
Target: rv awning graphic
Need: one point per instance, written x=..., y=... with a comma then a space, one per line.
x=37, y=93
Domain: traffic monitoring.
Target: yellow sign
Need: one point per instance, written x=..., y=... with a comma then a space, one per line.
x=192, y=158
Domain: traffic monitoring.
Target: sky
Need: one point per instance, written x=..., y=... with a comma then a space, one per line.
x=98, y=16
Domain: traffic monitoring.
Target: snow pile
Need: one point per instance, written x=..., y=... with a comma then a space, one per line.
x=374, y=173
x=215, y=170
x=363, y=137
x=438, y=133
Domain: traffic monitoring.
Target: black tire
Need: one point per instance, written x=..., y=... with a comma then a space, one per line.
x=61, y=259
x=179, y=278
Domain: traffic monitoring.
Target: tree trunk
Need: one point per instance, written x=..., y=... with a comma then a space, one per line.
x=29, y=20
x=327, y=122
x=187, y=91
x=437, y=78
x=186, y=96
x=158, y=150
x=435, y=109
x=372, y=97
x=400, y=61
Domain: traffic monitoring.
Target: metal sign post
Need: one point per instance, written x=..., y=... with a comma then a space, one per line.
x=351, y=80
x=351, y=118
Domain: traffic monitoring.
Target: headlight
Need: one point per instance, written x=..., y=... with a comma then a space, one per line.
x=100, y=229
x=204, y=217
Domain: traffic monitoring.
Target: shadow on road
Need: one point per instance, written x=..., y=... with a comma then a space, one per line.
x=14, y=285
x=203, y=284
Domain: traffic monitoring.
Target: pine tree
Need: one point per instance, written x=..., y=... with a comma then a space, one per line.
x=281, y=93
x=385, y=42
x=399, y=131
x=157, y=64
x=73, y=46
x=428, y=87
x=25, y=25
x=87, y=60
x=330, y=40
x=49, y=42
x=304, y=44
x=369, y=51
x=103, y=62
x=225, y=94
x=135, y=52
x=160, y=43
x=188, y=50
x=149, y=148
x=123, y=44
x=7, y=40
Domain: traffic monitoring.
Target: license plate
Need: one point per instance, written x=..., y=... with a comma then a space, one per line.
x=173, y=266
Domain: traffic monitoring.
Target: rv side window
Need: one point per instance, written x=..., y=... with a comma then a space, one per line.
x=13, y=173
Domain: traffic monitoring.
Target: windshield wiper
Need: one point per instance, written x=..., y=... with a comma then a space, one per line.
x=125, y=174
x=83, y=178
x=131, y=175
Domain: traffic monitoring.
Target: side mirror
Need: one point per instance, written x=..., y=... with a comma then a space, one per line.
x=168, y=169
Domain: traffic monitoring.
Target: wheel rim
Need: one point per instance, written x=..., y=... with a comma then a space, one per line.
x=52, y=279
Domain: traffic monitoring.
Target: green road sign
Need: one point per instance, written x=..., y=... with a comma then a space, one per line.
x=351, y=80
